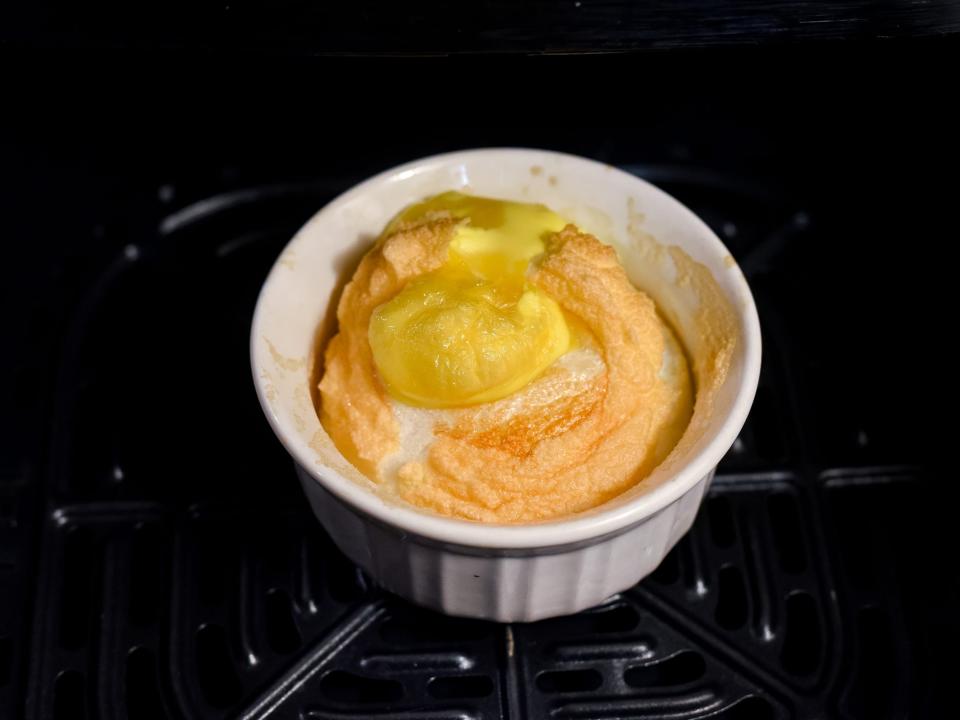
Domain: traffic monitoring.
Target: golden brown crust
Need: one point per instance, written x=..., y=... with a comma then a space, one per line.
x=520, y=434
x=355, y=409
x=568, y=447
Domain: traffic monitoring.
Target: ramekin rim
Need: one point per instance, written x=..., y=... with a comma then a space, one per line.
x=597, y=524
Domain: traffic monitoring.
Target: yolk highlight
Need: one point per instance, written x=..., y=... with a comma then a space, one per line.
x=474, y=330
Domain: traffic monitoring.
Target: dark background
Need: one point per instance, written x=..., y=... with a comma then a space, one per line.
x=866, y=130
x=836, y=123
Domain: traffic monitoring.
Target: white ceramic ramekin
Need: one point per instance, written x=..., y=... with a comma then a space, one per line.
x=501, y=572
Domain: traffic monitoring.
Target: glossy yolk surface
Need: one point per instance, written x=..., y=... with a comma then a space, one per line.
x=474, y=330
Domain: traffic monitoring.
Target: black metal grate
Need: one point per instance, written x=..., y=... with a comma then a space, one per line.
x=167, y=589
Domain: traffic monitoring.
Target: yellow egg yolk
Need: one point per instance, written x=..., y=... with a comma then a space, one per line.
x=474, y=330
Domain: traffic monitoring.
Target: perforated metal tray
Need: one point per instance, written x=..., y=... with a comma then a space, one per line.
x=176, y=570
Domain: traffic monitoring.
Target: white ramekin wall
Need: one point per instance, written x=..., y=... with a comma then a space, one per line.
x=506, y=573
